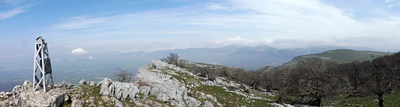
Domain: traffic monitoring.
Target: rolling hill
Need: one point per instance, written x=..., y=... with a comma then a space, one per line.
x=338, y=55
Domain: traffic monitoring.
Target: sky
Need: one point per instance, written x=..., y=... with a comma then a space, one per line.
x=88, y=27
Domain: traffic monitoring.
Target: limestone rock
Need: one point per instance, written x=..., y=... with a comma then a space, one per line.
x=118, y=89
x=192, y=102
x=92, y=83
x=78, y=103
x=16, y=90
x=66, y=98
x=105, y=98
x=76, y=97
x=2, y=94
x=91, y=99
x=164, y=87
x=209, y=83
x=117, y=103
x=70, y=86
x=99, y=83
x=124, y=90
x=207, y=104
x=145, y=90
x=105, y=87
x=212, y=98
x=82, y=82
x=53, y=98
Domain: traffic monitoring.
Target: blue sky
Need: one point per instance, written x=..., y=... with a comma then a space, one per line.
x=104, y=26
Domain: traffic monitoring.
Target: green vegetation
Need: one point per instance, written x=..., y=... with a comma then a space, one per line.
x=391, y=100
x=231, y=98
x=259, y=94
x=345, y=55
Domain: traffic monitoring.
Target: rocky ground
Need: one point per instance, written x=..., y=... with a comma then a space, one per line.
x=157, y=85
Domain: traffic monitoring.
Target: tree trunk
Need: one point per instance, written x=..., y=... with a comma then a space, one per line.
x=316, y=102
x=380, y=100
x=357, y=82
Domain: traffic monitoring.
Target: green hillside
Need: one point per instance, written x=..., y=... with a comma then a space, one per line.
x=344, y=55
x=338, y=55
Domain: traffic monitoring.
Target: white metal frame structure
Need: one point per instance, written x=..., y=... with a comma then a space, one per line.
x=41, y=63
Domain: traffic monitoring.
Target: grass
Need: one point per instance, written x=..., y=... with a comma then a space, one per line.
x=390, y=100
x=273, y=98
x=224, y=97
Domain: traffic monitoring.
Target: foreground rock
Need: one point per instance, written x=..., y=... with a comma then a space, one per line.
x=152, y=81
x=119, y=90
x=25, y=96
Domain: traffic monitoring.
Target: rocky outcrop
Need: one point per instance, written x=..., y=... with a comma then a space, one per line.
x=207, y=104
x=151, y=81
x=164, y=87
x=105, y=87
x=78, y=103
x=123, y=90
x=25, y=96
x=82, y=82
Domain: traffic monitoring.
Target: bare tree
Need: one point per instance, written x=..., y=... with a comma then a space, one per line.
x=383, y=79
x=267, y=80
x=211, y=72
x=280, y=78
x=312, y=80
x=123, y=75
x=171, y=59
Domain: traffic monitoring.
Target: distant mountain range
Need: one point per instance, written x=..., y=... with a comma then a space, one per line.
x=242, y=56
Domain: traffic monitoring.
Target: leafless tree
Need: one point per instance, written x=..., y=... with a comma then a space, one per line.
x=280, y=78
x=171, y=59
x=312, y=80
x=123, y=75
x=383, y=79
x=211, y=72
x=267, y=80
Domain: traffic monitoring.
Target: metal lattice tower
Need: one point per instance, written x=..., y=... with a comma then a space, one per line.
x=41, y=63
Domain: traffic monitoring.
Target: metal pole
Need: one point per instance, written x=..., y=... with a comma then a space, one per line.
x=34, y=69
x=43, y=68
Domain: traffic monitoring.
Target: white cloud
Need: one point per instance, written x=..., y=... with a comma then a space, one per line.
x=91, y=57
x=78, y=23
x=11, y=13
x=71, y=59
x=79, y=51
x=217, y=7
x=387, y=1
x=237, y=38
x=279, y=23
x=269, y=41
x=393, y=5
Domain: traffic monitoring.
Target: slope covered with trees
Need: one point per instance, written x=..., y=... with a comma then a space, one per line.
x=316, y=81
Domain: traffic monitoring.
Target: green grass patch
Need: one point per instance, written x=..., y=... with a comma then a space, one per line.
x=346, y=55
x=259, y=94
x=224, y=97
x=390, y=100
